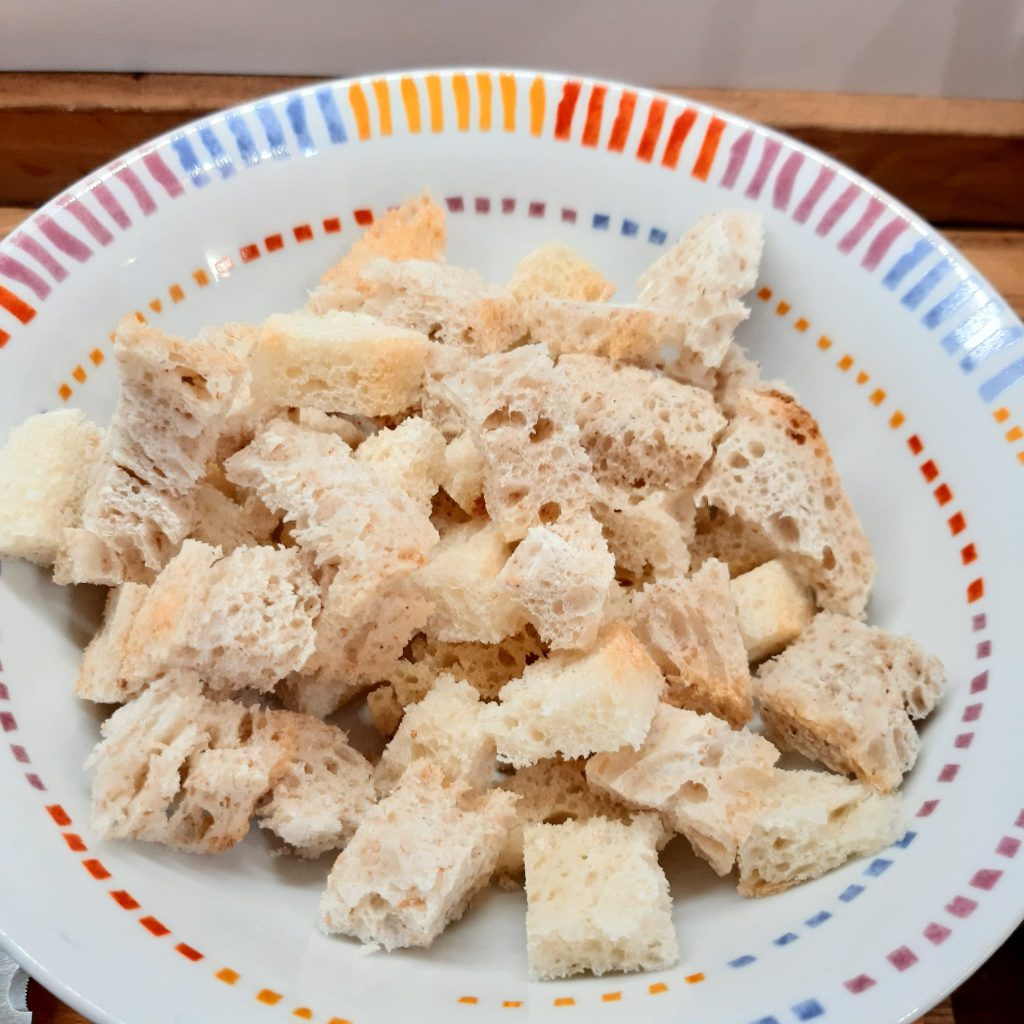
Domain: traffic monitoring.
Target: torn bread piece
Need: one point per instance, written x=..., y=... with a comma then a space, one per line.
x=228, y=524
x=690, y=628
x=578, y=704
x=810, y=823
x=416, y=861
x=773, y=470
x=385, y=709
x=741, y=372
x=410, y=457
x=729, y=539
x=707, y=779
x=463, y=478
x=556, y=271
x=773, y=606
x=352, y=431
x=596, y=898
x=104, y=675
x=846, y=694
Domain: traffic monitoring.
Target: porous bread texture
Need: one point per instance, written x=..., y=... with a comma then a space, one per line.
x=228, y=524
x=46, y=466
x=702, y=277
x=561, y=575
x=810, y=823
x=690, y=628
x=339, y=362
x=463, y=477
x=103, y=676
x=845, y=694
x=244, y=415
x=773, y=470
x=519, y=413
x=446, y=728
x=719, y=535
x=445, y=515
x=385, y=710
x=642, y=431
x=416, y=861
x=240, y=621
x=331, y=423
x=409, y=457
x=449, y=304
x=559, y=272
x=84, y=558
x=464, y=582
x=773, y=606
x=596, y=898
x=706, y=779
x=578, y=704
x=648, y=534
x=435, y=406
x=323, y=792
x=415, y=230
x=177, y=768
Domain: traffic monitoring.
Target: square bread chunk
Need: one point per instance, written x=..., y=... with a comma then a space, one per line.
x=845, y=694
x=772, y=469
x=707, y=779
x=690, y=628
x=416, y=861
x=812, y=822
x=104, y=675
x=578, y=704
x=773, y=605
x=596, y=898
x=556, y=271
x=409, y=457
x=446, y=728
x=463, y=478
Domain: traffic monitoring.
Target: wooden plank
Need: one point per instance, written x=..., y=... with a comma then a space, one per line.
x=955, y=161
x=11, y=217
x=942, y=1014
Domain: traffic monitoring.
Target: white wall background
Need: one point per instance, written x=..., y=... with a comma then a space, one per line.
x=936, y=47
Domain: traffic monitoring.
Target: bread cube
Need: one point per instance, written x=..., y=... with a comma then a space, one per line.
x=596, y=899
x=409, y=457
x=104, y=675
x=578, y=704
x=772, y=607
x=730, y=539
x=463, y=477
x=416, y=861
x=648, y=534
x=845, y=694
x=558, y=272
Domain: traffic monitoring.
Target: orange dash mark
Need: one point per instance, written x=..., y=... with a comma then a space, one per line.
x=824, y=343
x=176, y=293
x=897, y=419
x=915, y=444
x=360, y=109
x=1001, y=415
x=411, y=102
x=79, y=374
x=140, y=317
x=512, y=1004
x=877, y=397
x=1014, y=434
x=273, y=243
x=64, y=391
x=468, y=1000
x=4, y=338
x=508, y=102
x=764, y=294
x=228, y=976
x=484, y=90
x=677, y=137
x=268, y=996
x=154, y=927
x=623, y=122
x=1020, y=456
x=652, y=130
x=929, y=470
x=124, y=899
x=302, y=232
x=75, y=842
x=801, y=324
x=595, y=112
x=694, y=979
x=565, y=1001
x=538, y=99
x=862, y=377
x=436, y=103
x=332, y=225
x=303, y=1013
x=363, y=217
x=96, y=357
x=188, y=952
x=566, y=109
x=59, y=815
x=383, y=95
x=957, y=523
x=968, y=554
x=200, y=277
x=339, y=1020
x=845, y=363
x=18, y=308
x=657, y=988
x=611, y=997
x=156, y=305
x=460, y=89
x=783, y=308
x=709, y=147
x=943, y=495
x=975, y=590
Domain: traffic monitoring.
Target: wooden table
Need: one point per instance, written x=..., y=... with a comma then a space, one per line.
x=959, y=163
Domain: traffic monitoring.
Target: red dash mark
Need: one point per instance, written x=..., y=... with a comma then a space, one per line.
x=332, y=225
x=937, y=933
x=188, y=952
x=914, y=444
x=957, y=523
x=8, y=723
x=968, y=554
x=18, y=308
x=623, y=122
x=680, y=129
x=986, y=879
x=155, y=927
x=363, y=217
x=649, y=139
x=75, y=842
x=4, y=338
x=709, y=147
x=943, y=495
x=59, y=815
x=859, y=984
x=927, y=808
x=96, y=869
x=566, y=108
x=595, y=112
x=124, y=900
x=249, y=253
x=929, y=470
x=975, y=590
x=273, y=243
x=302, y=232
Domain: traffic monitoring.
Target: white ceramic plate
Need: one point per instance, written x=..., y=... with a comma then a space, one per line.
x=911, y=362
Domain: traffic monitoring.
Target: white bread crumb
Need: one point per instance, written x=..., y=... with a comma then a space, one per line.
x=773, y=606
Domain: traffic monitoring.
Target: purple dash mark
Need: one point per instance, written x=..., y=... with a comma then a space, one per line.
x=17, y=271
x=927, y=808
x=769, y=155
x=20, y=754
x=882, y=241
x=978, y=622
x=984, y=649
x=837, y=209
x=1008, y=846
x=508, y=205
x=34, y=781
x=964, y=740
x=63, y=240
x=163, y=175
x=961, y=906
x=455, y=204
x=902, y=958
x=949, y=772
x=784, y=180
x=979, y=682
x=818, y=919
x=766, y=1020
x=937, y=933
x=656, y=236
x=859, y=984
x=1019, y=822
x=132, y=182
x=785, y=940
x=536, y=209
x=742, y=961
x=482, y=204
x=907, y=839
x=115, y=211
x=986, y=879
x=737, y=158
x=808, y=1009
x=7, y=722
x=866, y=222
x=38, y=252
x=850, y=893
x=5, y=694
x=1007, y=376
x=972, y=712
x=568, y=215
x=877, y=867
x=87, y=219
x=814, y=193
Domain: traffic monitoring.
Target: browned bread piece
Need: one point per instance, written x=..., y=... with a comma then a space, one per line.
x=773, y=606
x=648, y=534
x=410, y=457
x=845, y=694
x=642, y=431
x=556, y=271
x=103, y=676
x=773, y=470
x=520, y=416
x=596, y=898
x=739, y=544
x=416, y=861
x=690, y=628
x=385, y=710
x=707, y=779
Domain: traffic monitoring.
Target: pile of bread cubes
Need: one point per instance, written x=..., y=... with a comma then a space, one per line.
x=562, y=547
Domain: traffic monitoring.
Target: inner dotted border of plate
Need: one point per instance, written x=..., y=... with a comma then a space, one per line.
x=901, y=958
